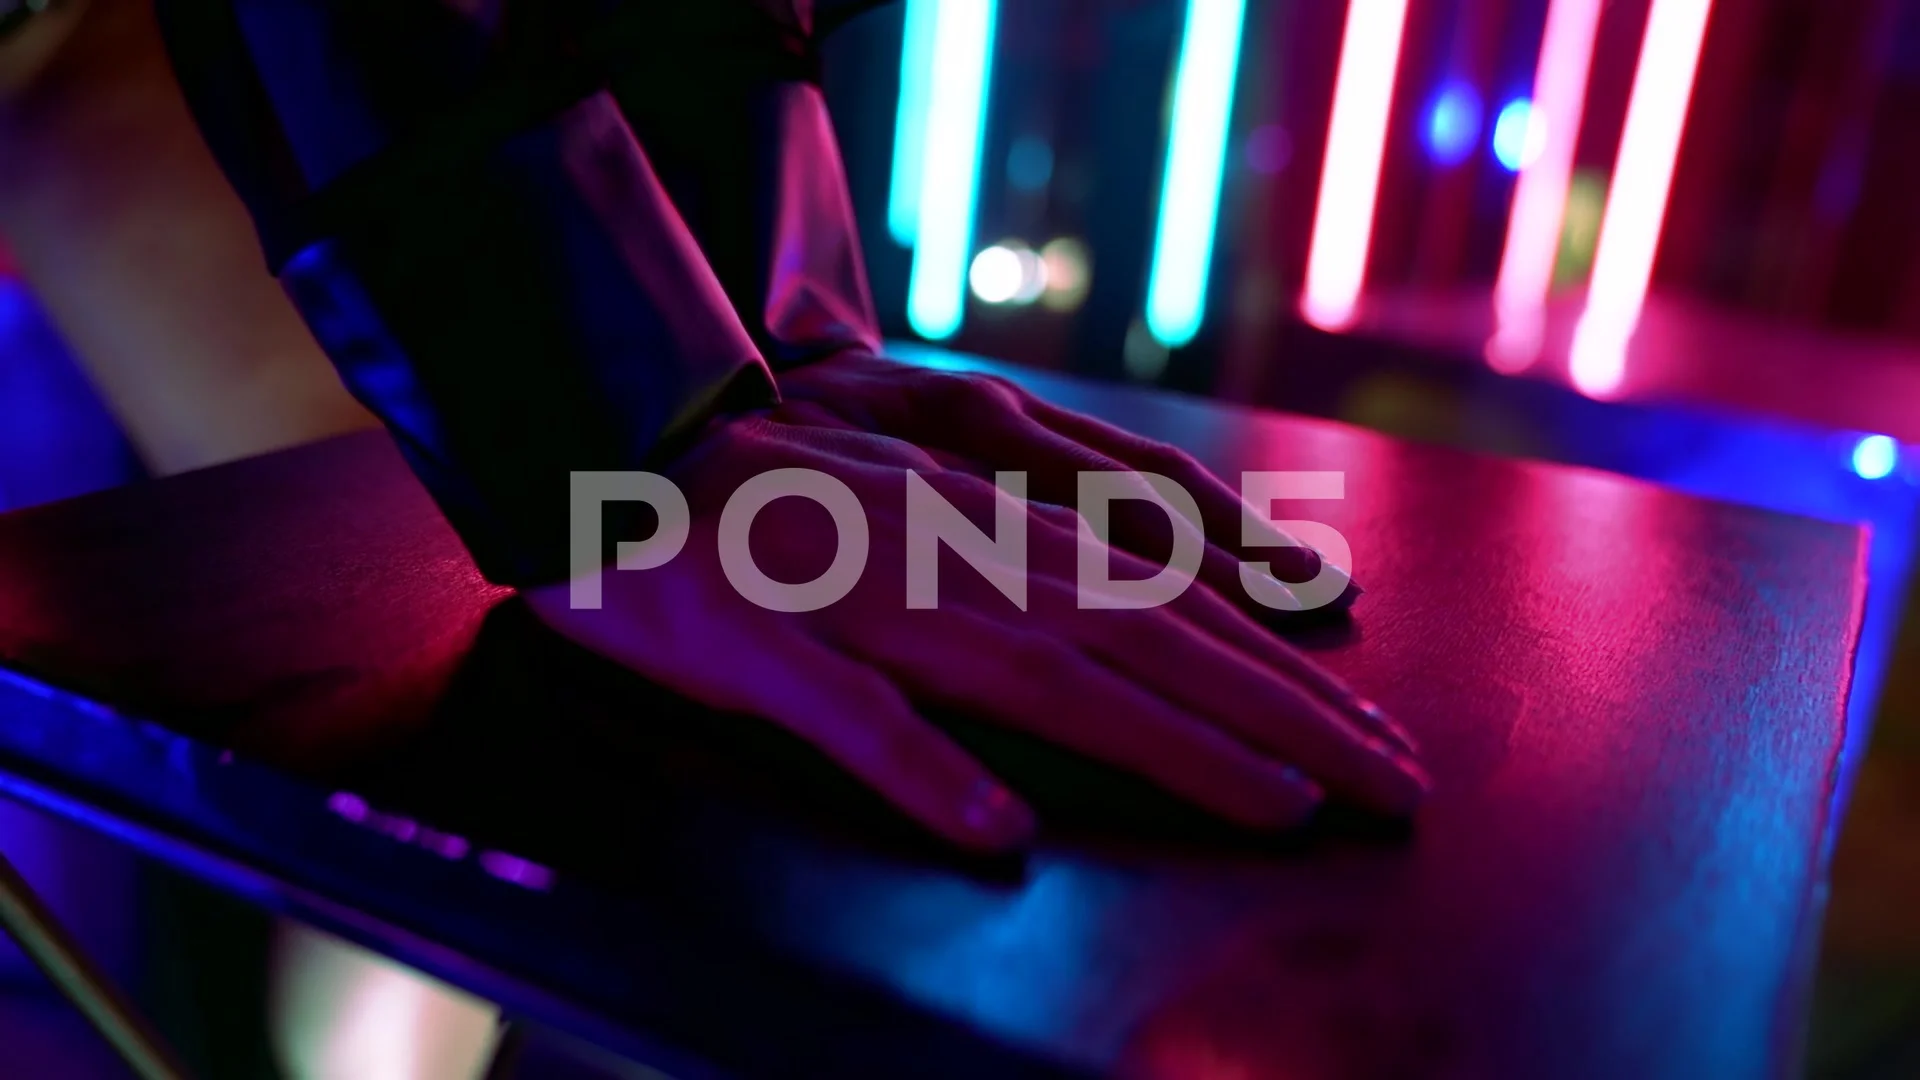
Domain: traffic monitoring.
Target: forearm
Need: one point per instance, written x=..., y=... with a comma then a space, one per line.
x=137, y=247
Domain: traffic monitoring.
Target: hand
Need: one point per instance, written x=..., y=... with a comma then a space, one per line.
x=1193, y=696
x=984, y=423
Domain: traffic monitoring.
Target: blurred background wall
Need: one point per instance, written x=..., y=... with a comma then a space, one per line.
x=1116, y=131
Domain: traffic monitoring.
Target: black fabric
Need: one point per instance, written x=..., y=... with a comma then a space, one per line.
x=749, y=156
x=536, y=61
x=510, y=289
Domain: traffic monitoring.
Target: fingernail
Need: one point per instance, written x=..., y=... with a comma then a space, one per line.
x=1408, y=767
x=997, y=816
x=1352, y=592
x=1290, y=574
x=1378, y=717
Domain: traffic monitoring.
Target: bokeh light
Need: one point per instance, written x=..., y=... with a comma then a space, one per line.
x=1268, y=149
x=995, y=274
x=1453, y=123
x=1068, y=271
x=1030, y=163
x=1008, y=272
x=1143, y=354
x=1518, y=135
x=1875, y=457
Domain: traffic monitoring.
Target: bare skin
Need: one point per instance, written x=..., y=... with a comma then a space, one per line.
x=131, y=239
x=1195, y=696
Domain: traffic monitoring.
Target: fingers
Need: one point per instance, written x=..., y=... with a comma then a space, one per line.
x=1054, y=462
x=1222, y=510
x=1237, y=674
x=1190, y=654
x=1220, y=686
x=996, y=425
x=1053, y=542
x=1008, y=428
x=1036, y=683
x=1231, y=625
x=858, y=718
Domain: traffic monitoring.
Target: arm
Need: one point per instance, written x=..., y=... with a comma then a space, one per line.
x=468, y=223
x=134, y=243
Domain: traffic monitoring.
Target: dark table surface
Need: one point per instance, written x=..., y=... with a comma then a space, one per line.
x=285, y=676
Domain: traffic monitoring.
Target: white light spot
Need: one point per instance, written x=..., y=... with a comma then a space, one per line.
x=1875, y=457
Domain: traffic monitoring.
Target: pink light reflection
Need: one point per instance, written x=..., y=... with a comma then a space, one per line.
x=348, y=805
x=1350, y=174
x=445, y=845
x=1540, y=196
x=517, y=870
x=1637, y=204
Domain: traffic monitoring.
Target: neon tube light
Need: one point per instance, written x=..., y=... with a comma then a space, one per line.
x=1196, y=158
x=959, y=76
x=910, y=121
x=1350, y=176
x=1642, y=181
x=1540, y=196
